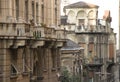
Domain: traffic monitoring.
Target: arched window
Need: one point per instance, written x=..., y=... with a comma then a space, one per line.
x=91, y=14
x=81, y=14
x=91, y=18
x=71, y=16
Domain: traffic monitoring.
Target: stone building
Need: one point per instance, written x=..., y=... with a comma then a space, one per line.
x=30, y=40
x=71, y=57
x=96, y=37
x=118, y=65
x=119, y=25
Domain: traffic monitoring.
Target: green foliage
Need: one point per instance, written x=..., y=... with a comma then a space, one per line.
x=68, y=77
x=43, y=25
x=37, y=34
x=65, y=74
x=75, y=78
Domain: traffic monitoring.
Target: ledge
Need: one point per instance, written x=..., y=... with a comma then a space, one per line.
x=25, y=73
x=53, y=69
x=13, y=76
x=45, y=70
x=34, y=78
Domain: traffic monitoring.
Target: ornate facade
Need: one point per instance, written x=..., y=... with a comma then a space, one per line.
x=30, y=40
x=96, y=37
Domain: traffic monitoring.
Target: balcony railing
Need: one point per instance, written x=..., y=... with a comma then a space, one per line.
x=61, y=34
x=100, y=61
x=48, y=33
x=91, y=28
x=28, y=31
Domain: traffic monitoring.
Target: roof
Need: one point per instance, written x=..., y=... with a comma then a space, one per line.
x=70, y=45
x=81, y=4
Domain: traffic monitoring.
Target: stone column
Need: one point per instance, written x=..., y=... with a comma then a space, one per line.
x=13, y=10
x=21, y=10
x=29, y=10
x=45, y=11
x=6, y=10
x=52, y=13
x=4, y=62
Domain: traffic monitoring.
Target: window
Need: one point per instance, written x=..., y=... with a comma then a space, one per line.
x=56, y=2
x=14, y=58
x=58, y=58
x=17, y=9
x=71, y=16
x=33, y=13
x=56, y=16
x=91, y=46
x=53, y=57
x=13, y=70
x=42, y=13
x=81, y=21
x=81, y=14
x=91, y=14
x=111, y=51
x=24, y=61
x=0, y=6
x=26, y=10
x=45, y=53
x=37, y=14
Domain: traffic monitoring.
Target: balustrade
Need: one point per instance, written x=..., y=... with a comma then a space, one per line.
x=26, y=30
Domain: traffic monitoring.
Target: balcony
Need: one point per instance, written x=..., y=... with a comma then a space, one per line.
x=60, y=34
x=94, y=61
x=95, y=64
x=26, y=31
x=91, y=29
x=47, y=33
x=50, y=33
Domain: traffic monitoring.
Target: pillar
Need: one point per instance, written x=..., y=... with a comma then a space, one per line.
x=4, y=62
x=6, y=10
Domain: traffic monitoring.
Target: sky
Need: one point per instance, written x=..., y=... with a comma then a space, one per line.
x=112, y=5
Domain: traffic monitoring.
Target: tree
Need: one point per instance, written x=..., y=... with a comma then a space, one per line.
x=68, y=77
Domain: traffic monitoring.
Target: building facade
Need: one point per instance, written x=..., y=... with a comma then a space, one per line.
x=119, y=25
x=96, y=37
x=41, y=11
x=30, y=40
x=71, y=57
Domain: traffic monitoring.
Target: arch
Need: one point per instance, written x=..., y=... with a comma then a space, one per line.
x=35, y=68
x=71, y=12
x=90, y=14
x=81, y=13
x=71, y=16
